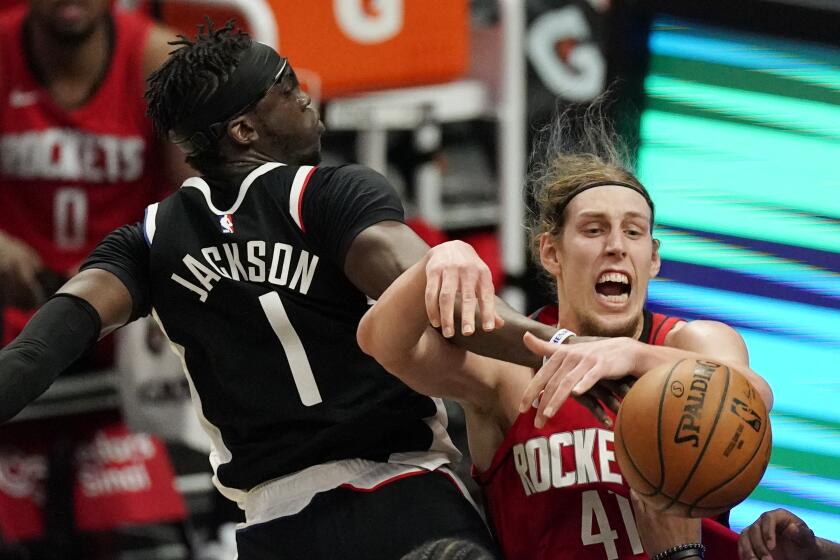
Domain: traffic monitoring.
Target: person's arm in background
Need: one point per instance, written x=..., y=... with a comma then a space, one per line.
x=380, y=253
x=573, y=369
x=155, y=53
x=108, y=293
x=780, y=535
x=90, y=305
x=19, y=263
x=20, y=266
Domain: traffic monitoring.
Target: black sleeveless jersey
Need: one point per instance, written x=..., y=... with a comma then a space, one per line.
x=254, y=298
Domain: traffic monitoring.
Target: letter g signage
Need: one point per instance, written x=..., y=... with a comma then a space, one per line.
x=369, y=21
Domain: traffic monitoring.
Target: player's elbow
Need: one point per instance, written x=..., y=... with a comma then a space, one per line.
x=364, y=334
x=765, y=391
x=370, y=339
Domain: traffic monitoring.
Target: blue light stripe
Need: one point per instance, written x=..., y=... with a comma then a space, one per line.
x=683, y=247
x=803, y=376
x=808, y=321
x=803, y=485
x=800, y=435
x=823, y=524
x=744, y=55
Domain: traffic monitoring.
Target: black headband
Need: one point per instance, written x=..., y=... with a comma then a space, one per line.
x=258, y=69
x=586, y=186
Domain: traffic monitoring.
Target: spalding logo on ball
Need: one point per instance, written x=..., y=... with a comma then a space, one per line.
x=692, y=438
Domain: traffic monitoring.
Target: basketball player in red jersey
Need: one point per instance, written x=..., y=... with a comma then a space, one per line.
x=553, y=490
x=78, y=157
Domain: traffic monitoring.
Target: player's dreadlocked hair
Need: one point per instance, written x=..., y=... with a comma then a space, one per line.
x=191, y=74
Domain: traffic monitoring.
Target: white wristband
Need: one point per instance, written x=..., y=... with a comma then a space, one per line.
x=559, y=337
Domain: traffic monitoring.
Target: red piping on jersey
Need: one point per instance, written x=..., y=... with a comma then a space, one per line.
x=384, y=482
x=300, y=197
x=401, y=476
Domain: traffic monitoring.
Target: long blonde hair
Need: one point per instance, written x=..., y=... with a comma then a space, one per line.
x=579, y=147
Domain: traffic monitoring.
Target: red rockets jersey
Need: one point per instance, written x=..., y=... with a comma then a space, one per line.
x=69, y=177
x=557, y=492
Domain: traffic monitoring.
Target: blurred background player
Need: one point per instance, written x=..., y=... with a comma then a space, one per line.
x=79, y=157
x=780, y=535
x=553, y=488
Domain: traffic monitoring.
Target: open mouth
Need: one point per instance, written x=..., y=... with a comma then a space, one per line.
x=614, y=287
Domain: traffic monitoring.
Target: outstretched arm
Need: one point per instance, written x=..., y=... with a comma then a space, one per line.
x=91, y=304
x=380, y=253
x=396, y=331
x=781, y=535
x=575, y=368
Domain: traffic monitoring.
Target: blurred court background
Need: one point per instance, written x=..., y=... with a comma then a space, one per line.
x=734, y=112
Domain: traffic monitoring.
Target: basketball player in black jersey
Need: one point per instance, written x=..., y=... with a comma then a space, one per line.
x=259, y=272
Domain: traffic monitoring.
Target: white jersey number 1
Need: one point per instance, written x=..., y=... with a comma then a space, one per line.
x=295, y=354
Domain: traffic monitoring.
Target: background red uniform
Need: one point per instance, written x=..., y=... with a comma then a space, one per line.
x=69, y=177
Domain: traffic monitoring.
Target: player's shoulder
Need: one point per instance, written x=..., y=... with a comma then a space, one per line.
x=354, y=172
x=700, y=329
x=157, y=46
x=315, y=178
x=347, y=174
x=10, y=22
x=12, y=17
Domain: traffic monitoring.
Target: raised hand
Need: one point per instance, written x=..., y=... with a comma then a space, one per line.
x=778, y=535
x=454, y=269
x=19, y=268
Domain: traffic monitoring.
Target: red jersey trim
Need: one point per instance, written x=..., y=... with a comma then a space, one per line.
x=379, y=485
x=299, y=184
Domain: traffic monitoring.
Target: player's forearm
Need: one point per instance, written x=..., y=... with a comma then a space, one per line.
x=59, y=333
x=828, y=549
x=393, y=326
x=506, y=343
x=650, y=356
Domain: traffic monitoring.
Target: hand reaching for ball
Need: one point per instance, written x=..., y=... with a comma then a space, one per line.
x=780, y=535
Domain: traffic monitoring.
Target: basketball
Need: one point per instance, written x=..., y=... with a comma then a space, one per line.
x=692, y=438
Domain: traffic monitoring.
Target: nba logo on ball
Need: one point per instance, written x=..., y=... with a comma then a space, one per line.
x=226, y=222
x=693, y=438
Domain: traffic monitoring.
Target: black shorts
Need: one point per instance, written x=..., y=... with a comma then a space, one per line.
x=385, y=523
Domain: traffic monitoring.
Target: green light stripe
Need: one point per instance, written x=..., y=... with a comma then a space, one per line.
x=777, y=496
x=804, y=461
x=727, y=216
x=807, y=117
x=667, y=106
x=716, y=160
x=753, y=144
x=821, y=422
x=745, y=79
